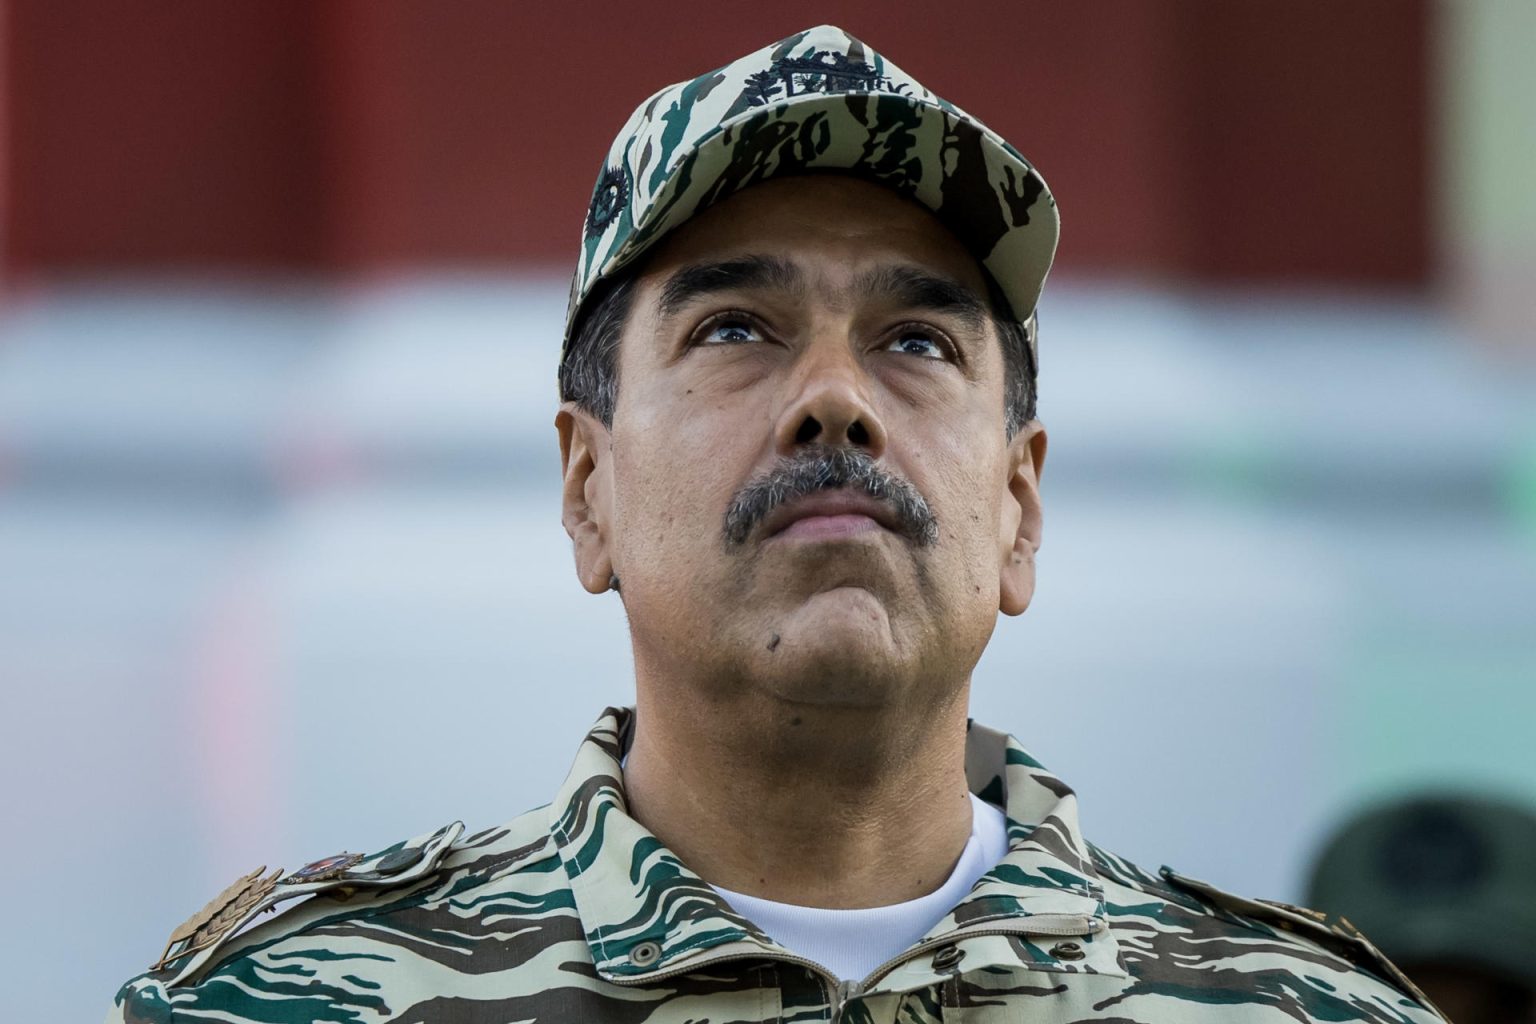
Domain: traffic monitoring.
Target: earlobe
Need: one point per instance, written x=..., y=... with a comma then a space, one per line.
x=584, y=505
x=1021, y=523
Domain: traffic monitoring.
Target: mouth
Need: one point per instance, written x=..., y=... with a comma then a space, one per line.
x=829, y=515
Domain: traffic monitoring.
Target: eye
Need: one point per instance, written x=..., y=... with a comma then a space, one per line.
x=920, y=341
x=728, y=329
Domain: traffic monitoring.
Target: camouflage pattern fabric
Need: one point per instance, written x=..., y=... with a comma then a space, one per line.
x=575, y=913
x=819, y=101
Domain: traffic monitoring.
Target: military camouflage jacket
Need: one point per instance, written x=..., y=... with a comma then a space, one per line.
x=576, y=913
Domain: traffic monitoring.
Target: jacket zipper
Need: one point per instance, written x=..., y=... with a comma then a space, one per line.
x=840, y=992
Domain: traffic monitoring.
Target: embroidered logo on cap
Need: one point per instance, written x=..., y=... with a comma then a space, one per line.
x=821, y=71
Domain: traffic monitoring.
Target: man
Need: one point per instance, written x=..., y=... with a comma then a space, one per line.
x=798, y=437
x=1445, y=881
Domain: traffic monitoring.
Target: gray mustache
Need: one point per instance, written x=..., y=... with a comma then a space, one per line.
x=821, y=467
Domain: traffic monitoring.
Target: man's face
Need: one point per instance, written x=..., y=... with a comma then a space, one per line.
x=804, y=331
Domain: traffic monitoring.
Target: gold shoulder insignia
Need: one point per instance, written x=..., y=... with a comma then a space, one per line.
x=201, y=938
x=206, y=927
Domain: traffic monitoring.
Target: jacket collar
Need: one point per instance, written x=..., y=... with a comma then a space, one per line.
x=646, y=914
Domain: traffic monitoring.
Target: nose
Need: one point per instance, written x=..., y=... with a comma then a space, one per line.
x=831, y=404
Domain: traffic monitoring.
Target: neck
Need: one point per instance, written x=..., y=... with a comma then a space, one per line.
x=803, y=804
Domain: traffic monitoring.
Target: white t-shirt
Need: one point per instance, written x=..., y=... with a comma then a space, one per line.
x=852, y=943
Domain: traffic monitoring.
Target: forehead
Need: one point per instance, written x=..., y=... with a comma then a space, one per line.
x=834, y=228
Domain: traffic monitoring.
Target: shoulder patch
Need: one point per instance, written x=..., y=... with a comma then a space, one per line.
x=1332, y=932
x=197, y=939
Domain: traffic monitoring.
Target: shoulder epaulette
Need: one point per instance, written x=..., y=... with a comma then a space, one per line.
x=200, y=937
x=1332, y=932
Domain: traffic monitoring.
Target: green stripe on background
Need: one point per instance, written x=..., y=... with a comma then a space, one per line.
x=1421, y=708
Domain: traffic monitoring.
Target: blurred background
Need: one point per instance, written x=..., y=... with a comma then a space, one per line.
x=283, y=283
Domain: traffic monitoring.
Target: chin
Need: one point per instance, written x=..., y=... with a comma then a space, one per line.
x=836, y=668
x=825, y=687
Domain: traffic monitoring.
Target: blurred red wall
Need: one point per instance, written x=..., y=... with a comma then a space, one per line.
x=1190, y=138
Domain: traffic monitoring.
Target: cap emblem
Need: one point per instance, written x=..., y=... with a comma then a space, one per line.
x=821, y=71
x=610, y=196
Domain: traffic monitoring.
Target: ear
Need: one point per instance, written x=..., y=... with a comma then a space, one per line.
x=585, y=494
x=1019, y=537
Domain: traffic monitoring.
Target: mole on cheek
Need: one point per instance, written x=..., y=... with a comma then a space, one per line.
x=773, y=641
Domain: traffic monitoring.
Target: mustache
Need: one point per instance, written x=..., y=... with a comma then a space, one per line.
x=821, y=467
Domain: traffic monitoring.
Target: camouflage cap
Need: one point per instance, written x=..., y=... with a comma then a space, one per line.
x=818, y=101
x=1438, y=878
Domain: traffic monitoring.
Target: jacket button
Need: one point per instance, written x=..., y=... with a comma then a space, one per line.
x=1067, y=951
x=947, y=958
x=644, y=954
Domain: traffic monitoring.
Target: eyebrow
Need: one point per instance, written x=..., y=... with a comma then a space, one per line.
x=907, y=286
x=915, y=288
x=737, y=274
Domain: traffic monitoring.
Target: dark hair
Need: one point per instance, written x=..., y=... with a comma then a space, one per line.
x=1019, y=370
x=589, y=374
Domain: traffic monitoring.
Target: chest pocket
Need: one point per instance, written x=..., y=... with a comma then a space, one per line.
x=1012, y=996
